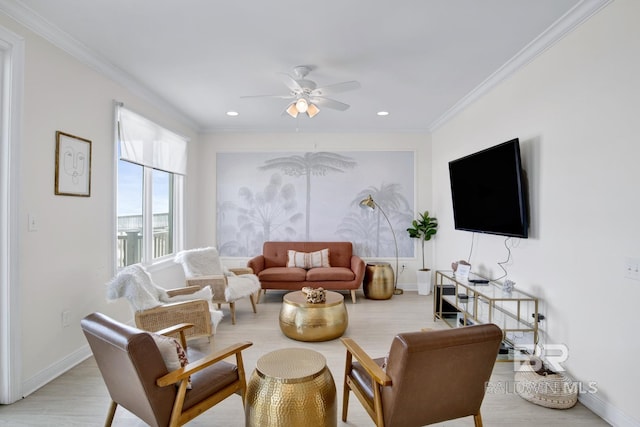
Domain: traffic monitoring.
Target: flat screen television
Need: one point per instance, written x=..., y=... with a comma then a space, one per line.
x=488, y=191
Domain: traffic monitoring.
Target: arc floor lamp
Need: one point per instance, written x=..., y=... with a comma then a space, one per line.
x=370, y=203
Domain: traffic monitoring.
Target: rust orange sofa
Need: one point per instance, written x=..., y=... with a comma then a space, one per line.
x=346, y=270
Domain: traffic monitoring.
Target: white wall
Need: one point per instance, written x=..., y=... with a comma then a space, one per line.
x=65, y=264
x=239, y=142
x=575, y=109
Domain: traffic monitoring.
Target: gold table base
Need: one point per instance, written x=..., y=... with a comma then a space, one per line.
x=291, y=387
x=303, y=321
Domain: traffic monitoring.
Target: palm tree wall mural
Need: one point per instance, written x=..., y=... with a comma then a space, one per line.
x=260, y=197
x=308, y=165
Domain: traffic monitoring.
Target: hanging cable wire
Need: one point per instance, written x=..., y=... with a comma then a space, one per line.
x=473, y=235
x=505, y=261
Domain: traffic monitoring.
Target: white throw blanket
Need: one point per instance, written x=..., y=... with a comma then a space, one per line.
x=206, y=262
x=241, y=286
x=135, y=284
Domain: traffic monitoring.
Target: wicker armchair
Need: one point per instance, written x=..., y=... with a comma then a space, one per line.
x=156, y=308
x=202, y=267
x=196, y=312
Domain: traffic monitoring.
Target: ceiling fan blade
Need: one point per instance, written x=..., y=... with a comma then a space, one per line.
x=329, y=103
x=291, y=83
x=269, y=96
x=336, y=88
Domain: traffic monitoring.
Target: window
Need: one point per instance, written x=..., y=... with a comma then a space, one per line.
x=151, y=168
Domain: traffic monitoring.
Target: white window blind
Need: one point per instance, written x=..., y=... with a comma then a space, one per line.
x=147, y=144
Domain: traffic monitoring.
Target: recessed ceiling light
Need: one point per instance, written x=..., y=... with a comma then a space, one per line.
x=383, y=113
x=232, y=113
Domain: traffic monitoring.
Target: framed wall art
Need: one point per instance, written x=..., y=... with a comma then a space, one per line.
x=73, y=165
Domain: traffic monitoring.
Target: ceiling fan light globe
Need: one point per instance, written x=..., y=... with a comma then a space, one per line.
x=302, y=105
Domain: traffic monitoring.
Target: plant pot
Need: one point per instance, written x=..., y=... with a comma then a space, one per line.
x=424, y=281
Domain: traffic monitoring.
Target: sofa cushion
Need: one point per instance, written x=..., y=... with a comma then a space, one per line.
x=308, y=260
x=325, y=274
x=283, y=274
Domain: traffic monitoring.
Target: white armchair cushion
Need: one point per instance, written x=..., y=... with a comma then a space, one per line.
x=200, y=262
x=241, y=286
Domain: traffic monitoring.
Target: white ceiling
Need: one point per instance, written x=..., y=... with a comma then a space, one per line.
x=420, y=60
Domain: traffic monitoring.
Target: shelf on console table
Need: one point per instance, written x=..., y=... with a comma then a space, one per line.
x=486, y=303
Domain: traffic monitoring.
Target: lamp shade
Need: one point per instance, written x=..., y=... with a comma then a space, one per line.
x=292, y=110
x=368, y=203
x=312, y=110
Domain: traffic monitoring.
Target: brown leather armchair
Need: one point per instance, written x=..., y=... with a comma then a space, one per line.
x=428, y=377
x=138, y=379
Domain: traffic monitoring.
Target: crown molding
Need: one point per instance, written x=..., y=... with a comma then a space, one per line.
x=581, y=12
x=36, y=23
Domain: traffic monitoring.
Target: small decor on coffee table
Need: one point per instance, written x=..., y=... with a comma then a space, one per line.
x=314, y=296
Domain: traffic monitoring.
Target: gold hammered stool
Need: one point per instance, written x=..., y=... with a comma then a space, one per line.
x=291, y=387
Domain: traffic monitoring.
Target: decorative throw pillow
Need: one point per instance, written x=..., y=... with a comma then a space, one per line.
x=172, y=353
x=308, y=260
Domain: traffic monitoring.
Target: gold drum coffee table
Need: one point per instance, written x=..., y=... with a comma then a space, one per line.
x=304, y=321
x=378, y=280
x=291, y=387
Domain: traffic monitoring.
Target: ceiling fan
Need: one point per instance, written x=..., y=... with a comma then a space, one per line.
x=306, y=96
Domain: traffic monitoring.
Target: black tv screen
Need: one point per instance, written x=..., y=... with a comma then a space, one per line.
x=488, y=191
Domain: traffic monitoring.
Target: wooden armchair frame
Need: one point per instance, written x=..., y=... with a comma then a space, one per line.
x=128, y=360
x=423, y=367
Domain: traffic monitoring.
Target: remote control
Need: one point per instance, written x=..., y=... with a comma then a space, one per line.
x=478, y=281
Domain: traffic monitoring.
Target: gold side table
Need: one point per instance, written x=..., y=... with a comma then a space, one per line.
x=378, y=280
x=291, y=387
x=304, y=321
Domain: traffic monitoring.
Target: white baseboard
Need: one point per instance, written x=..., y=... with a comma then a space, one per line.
x=606, y=411
x=43, y=377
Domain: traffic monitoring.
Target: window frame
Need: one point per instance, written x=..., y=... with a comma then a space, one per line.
x=177, y=192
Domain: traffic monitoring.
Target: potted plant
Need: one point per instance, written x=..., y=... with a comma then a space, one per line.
x=423, y=228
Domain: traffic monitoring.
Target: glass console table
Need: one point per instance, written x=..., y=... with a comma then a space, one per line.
x=460, y=303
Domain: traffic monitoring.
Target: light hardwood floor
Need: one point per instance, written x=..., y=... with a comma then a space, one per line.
x=79, y=397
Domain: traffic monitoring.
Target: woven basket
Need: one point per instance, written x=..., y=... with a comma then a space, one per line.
x=545, y=388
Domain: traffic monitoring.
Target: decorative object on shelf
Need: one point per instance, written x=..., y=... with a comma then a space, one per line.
x=423, y=228
x=370, y=203
x=314, y=296
x=73, y=165
x=461, y=269
x=508, y=285
x=542, y=386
